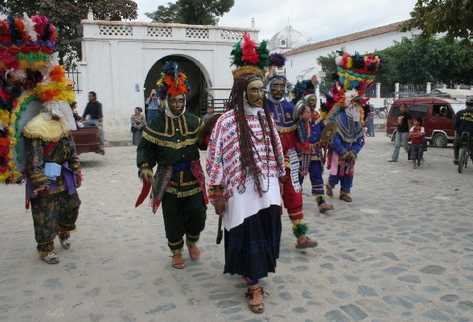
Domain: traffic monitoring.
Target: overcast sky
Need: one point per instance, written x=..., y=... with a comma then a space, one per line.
x=316, y=19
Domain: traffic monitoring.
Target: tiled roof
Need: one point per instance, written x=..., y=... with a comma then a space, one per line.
x=347, y=38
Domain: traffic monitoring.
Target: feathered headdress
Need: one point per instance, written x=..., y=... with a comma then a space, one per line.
x=276, y=62
x=356, y=71
x=172, y=82
x=249, y=58
x=29, y=79
x=303, y=88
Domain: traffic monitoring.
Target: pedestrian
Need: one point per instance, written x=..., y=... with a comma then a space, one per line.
x=93, y=113
x=170, y=144
x=209, y=114
x=417, y=137
x=402, y=133
x=137, y=125
x=370, y=121
x=282, y=112
x=463, y=124
x=153, y=106
x=245, y=163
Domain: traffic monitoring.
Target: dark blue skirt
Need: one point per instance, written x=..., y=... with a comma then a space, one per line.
x=252, y=248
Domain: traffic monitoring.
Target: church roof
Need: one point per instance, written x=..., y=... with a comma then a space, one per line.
x=394, y=27
x=286, y=39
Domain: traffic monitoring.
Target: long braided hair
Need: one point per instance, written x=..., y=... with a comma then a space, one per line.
x=247, y=147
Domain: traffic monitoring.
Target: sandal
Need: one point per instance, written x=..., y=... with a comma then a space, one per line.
x=194, y=252
x=64, y=240
x=305, y=242
x=345, y=197
x=324, y=207
x=255, y=295
x=177, y=261
x=50, y=258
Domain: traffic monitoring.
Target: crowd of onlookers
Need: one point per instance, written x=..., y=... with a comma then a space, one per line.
x=410, y=130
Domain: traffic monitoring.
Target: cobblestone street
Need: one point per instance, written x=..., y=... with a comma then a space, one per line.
x=402, y=251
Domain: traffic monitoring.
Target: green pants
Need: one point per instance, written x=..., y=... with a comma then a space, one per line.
x=53, y=214
x=183, y=216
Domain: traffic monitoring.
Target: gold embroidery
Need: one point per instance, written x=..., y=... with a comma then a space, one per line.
x=167, y=144
x=183, y=194
x=176, y=243
x=188, y=183
x=287, y=129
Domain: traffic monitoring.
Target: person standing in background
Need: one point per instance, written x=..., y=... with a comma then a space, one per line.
x=370, y=121
x=93, y=114
x=137, y=125
x=402, y=134
x=152, y=102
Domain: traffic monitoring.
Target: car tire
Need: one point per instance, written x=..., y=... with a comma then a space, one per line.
x=439, y=140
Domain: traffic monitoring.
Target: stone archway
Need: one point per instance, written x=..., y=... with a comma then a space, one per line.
x=197, y=98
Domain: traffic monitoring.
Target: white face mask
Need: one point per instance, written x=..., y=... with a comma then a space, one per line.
x=63, y=111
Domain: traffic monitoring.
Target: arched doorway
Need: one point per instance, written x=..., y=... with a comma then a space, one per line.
x=197, y=98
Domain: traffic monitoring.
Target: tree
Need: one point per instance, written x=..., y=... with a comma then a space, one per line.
x=67, y=15
x=329, y=68
x=417, y=61
x=193, y=12
x=454, y=17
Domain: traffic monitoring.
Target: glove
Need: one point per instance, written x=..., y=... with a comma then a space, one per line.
x=146, y=174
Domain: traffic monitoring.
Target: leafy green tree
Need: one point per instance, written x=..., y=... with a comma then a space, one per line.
x=67, y=15
x=193, y=12
x=454, y=17
x=416, y=61
x=329, y=68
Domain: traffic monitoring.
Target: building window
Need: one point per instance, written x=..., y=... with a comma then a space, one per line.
x=283, y=43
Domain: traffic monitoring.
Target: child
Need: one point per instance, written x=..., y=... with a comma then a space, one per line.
x=309, y=134
x=417, y=135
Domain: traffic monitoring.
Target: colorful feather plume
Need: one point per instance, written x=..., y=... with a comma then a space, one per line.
x=26, y=61
x=172, y=82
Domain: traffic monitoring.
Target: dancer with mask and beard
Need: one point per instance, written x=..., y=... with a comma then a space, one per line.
x=35, y=122
x=244, y=164
x=170, y=143
x=355, y=74
x=282, y=111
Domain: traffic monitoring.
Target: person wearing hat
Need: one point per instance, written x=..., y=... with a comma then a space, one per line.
x=36, y=120
x=282, y=111
x=309, y=132
x=355, y=73
x=463, y=123
x=245, y=163
x=170, y=144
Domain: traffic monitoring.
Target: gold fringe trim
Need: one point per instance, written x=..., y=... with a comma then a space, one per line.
x=167, y=144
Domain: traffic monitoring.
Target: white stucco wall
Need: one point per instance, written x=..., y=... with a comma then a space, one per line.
x=305, y=64
x=115, y=66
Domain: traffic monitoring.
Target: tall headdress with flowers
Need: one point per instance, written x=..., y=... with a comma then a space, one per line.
x=30, y=80
x=249, y=58
x=354, y=72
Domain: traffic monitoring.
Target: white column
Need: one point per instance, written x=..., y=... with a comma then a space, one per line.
x=396, y=90
x=378, y=90
x=428, y=88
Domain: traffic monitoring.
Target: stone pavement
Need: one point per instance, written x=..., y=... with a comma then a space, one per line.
x=402, y=251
